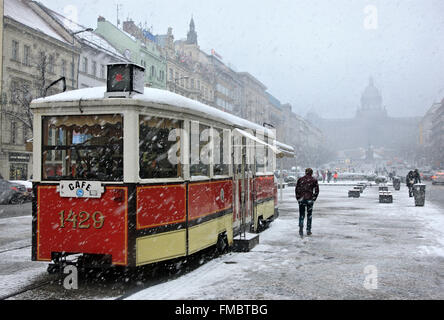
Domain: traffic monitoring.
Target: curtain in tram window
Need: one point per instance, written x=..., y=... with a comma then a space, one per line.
x=82, y=121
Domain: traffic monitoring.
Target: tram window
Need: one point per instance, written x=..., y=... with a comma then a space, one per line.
x=200, y=148
x=220, y=166
x=266, y=157
x=260, y=157
x=269, y=156
x=159, y=148
x=83, y=147
x=250, y=154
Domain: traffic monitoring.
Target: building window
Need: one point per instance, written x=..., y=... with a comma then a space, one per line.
x=14, y=91
x=72, y=70
x=94, y=68
x=15, y=50
x=25, y=135
x=13, y=132
x=171, y=74
x=102, y=72
x=85, y=65
x=26, y=55
x=51, y=64
x=152, y=72
x=63, y=68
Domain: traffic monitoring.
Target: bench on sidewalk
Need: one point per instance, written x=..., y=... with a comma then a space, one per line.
x=354, y=193
x=364, y=185
x=385, y=197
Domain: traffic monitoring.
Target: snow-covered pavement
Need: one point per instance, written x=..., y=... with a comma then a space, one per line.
x=360, y=249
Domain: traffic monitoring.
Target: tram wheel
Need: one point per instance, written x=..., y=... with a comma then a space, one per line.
x=222, y=243
x=261, y=224
x=53, y=268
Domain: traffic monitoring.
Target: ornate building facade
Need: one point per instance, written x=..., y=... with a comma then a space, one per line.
x=35, y=53
x=371, y=126
x=137, y=45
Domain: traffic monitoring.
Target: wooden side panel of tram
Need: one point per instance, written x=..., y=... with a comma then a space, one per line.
x=264, y=196
x=180, y=219
x=161, y=222
x=210, y=210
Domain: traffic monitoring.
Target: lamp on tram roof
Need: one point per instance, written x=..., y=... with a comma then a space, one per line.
x=124, y=79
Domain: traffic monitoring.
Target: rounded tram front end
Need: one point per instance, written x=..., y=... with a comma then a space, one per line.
x=81, y=202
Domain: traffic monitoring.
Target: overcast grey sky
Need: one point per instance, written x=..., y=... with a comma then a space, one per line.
x=314, y=54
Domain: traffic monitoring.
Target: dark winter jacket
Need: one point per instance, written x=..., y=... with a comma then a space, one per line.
x=410, y=179
x=307, y=188
x=416, y=176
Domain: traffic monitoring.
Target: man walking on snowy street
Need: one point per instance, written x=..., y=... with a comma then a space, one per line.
x=307, y=191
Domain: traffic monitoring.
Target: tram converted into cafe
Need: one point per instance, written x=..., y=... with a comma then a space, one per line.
x=128, y=176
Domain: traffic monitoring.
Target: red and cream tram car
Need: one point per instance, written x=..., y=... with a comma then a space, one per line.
x=129, y=176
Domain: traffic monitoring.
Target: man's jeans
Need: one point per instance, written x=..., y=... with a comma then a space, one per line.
x=302, y=205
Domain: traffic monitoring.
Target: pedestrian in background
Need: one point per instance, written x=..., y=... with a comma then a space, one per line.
x=416, y=177
x=328, y=176
x=335, y=176
x=409, y=181
x=306, y=191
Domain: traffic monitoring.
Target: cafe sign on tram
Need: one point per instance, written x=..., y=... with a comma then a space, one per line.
x=19, y=157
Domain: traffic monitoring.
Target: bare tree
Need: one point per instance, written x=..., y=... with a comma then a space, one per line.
x=22, y=92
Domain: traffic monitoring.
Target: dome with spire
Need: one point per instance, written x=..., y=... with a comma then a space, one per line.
x=371, y=97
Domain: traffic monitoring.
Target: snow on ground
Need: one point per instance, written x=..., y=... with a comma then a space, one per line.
x=403, y=243
x=16, y=268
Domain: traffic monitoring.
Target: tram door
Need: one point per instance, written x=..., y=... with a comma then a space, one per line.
x=243, y=184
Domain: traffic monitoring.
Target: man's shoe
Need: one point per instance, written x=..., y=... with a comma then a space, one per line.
x=301, y=232
x=308, y=233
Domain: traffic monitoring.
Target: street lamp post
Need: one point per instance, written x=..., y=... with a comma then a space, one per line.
x=73, y=47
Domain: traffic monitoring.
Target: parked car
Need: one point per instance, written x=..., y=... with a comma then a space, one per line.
x=426, y=175
x=290, y=180
x=28, y=185
x=6, y=192
x=381, y=179
x=438, y=177
x=12, y=192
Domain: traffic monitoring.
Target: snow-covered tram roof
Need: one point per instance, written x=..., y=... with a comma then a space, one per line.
x=155, y=96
